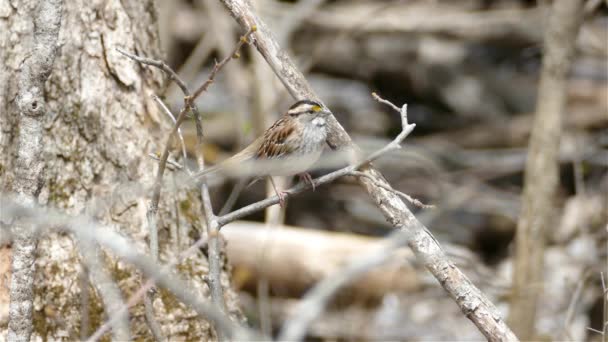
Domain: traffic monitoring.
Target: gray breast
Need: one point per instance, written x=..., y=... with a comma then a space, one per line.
x=313, y=138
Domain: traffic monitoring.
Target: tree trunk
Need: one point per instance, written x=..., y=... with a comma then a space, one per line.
x=542, y=167
x=100, y=126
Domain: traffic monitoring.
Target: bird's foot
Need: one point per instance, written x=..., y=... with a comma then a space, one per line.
x=306, y=178
x=282, y=198
x=282, y=195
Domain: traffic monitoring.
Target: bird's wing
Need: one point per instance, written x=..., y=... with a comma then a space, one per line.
x=277, y=141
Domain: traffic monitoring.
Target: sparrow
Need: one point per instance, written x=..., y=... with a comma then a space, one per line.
x=288, y=147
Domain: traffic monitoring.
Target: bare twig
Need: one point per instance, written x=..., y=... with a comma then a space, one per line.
x=386, y=102
x=212, y=226
x=158, y=64
x=542, y=166
x=473, y=303
x=188, y=104
x=403, y=195
x=218, y=66
x=155, y=328
x=85, y=323
x=134, y=299
x=234, y=195
x=44, y=220
x=213, y=237
x=108, y=290
x=169, y=161
x=151, y=321
x=573, y=301
x=188, y=70
x=179, y=130
x=314, y=302
x=29, y=164
x=222, y=30
x=605, y=311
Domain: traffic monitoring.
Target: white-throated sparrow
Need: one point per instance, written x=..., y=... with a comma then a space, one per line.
x=290, y=146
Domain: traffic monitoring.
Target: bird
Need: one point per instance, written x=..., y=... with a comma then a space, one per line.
x=290, y=146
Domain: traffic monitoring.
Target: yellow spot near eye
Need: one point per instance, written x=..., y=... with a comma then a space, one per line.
x=316, y=108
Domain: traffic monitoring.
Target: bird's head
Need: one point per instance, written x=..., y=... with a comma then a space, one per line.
x=309, y=111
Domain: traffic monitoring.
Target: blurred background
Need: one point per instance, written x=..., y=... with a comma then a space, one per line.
x=469, y=71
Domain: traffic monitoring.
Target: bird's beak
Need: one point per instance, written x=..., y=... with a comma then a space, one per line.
x=326, y=112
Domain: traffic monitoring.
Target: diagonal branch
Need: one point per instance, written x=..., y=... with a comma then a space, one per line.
x=473, y=303
x=45, y=220
x=108, y=291
x=315, y=300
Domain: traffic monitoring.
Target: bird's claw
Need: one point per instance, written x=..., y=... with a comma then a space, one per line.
x=282, y=198
x=306, y=178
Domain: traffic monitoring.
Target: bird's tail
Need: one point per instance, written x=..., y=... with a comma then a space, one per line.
x=207, y=171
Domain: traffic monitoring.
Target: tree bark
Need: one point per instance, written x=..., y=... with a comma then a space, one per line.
x=542, y=167
x=101, y=126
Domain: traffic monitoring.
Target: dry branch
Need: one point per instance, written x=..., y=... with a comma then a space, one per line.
x=45, y=220
x=313, y=304
x=474, y=304
x=214, y=280
x=108, y=290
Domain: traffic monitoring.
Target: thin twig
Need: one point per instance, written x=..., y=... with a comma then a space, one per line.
x=46, y=220
x=605, y=311
x=136, y=297
x=179, y=130
x=233, y=197
x=158, y=64
x=214, y=263
x=151, y=321
x=85, y=323
x=218, y=66
x=595, y=330
x=169, y=161
x=386, y=102
x=403, y=195
x=188, y=70
x=315, y=300
x=573, y=301
x=108, y=290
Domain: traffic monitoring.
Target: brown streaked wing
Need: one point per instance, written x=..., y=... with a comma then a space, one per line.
x=276, y=140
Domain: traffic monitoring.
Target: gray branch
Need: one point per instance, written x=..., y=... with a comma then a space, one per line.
x=313, y=303
x=108, y=290
x=29, y=164
x=473, y=303
x=45, y=220
x=215, y=268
